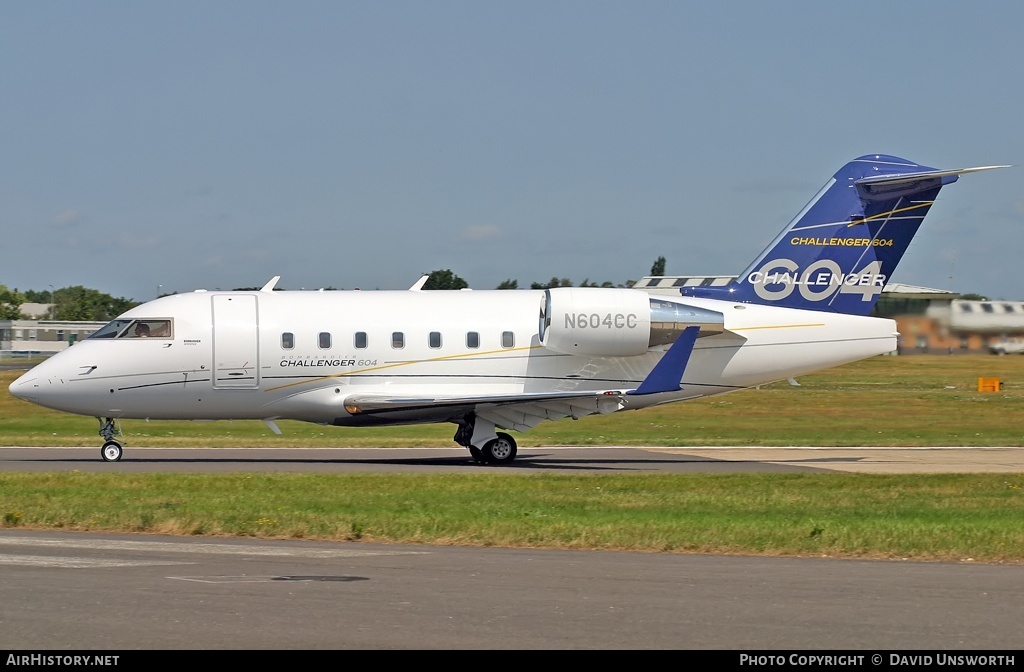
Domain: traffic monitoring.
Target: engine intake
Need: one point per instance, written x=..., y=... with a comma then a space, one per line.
x=606, y=322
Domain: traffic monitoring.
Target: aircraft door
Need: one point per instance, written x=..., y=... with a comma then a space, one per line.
x=235, y=342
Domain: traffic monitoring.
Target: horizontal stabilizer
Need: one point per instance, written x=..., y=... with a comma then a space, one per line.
x=899, y=178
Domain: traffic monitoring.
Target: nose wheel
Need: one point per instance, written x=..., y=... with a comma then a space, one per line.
x=111, y=451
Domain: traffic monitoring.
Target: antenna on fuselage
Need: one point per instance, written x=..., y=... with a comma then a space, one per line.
x=269, y=287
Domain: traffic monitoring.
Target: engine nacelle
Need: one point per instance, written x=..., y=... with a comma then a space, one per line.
x=598, y=321
x=607, y=322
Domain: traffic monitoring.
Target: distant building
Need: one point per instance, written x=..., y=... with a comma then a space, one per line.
x=670, y=284
x=929, y=320
x=36, y=311
x=963, y=326
x=43, y=336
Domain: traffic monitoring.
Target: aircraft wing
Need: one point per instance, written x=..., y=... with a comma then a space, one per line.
x=525, y=411
x=520, y=412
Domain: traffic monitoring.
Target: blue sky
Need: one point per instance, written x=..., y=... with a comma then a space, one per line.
x=214, y=144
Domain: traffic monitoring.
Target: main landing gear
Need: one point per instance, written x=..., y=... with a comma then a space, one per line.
x=485, y=445
x=111, y=450
x=501, y=450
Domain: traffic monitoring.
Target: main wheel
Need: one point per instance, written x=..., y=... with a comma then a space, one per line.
x=111, y=451
x=478, y=456
x=501, y=450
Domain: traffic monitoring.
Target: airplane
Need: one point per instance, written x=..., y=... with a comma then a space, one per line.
x=507, y=359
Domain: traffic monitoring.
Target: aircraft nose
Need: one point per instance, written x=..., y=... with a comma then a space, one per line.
x=26, y=387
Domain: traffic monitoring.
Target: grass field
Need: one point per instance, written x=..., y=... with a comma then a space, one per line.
x=885, y=401
x=962, y=517
x=900, y=401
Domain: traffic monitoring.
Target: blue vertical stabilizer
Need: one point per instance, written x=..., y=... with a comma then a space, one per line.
x=841, y=249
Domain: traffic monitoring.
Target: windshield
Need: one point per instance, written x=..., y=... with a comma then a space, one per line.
x=141, y=328
x=112, y=329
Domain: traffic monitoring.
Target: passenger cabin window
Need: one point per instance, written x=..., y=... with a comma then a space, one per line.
x=324, y=340
x=360, y=339
x=508, y=339
x=397, y=340
x=472, y=339
x=435, y=339
x=987, y=307
x=287, y=340
x=142, y=328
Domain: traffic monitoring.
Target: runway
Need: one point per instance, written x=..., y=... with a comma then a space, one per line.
x=62, y=590
x=83, y=591
x=607, y=459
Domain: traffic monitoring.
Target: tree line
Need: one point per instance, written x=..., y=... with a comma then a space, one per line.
x=76, y=303
x=80, y=303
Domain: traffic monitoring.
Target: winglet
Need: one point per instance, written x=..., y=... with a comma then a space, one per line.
x=269, y=287
x=667, y=373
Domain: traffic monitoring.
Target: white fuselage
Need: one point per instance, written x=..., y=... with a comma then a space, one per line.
x=300, y=355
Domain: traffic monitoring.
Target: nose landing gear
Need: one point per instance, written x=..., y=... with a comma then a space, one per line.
x=111, y=450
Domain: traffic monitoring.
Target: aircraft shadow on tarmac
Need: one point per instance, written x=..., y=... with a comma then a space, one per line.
x=525, y=462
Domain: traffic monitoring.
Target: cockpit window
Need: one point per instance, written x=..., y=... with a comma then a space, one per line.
x=135, y=329
x=112, y=329
x=148, y=329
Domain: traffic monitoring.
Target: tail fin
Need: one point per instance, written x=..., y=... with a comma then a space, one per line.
x=839, y=251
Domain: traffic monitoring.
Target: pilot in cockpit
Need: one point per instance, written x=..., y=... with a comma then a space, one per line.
x=142, y=330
